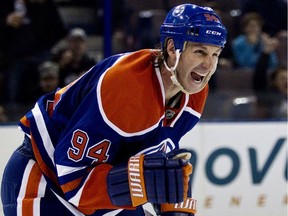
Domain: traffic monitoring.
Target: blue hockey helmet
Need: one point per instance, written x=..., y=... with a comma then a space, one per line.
x=188, y=22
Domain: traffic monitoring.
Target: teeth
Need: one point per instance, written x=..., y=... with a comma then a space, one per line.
x=197, y=81
x=198, y=74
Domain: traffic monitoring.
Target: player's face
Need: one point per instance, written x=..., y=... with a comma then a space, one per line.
x=197, y=64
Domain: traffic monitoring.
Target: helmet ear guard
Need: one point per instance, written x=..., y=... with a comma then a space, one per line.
x=188, y=22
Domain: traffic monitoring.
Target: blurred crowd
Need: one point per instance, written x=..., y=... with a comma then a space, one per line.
x=46, y=44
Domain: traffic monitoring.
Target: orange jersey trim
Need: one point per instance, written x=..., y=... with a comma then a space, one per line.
x=71, y=185
x=96, y=192
x=25, y=121
x=31, y=191
x=197, y=101
x=134, y=75
x=43, y=166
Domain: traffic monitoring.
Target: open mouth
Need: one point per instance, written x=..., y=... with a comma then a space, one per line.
x=197, y=77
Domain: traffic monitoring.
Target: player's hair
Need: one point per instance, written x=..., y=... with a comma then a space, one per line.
x=159, y=55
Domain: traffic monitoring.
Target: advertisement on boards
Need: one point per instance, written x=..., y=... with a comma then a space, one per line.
x=239, y=168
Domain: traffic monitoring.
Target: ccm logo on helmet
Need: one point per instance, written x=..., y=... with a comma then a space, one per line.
x=213, y=32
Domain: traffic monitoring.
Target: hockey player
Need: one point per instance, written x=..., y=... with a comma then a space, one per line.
x=108, y=143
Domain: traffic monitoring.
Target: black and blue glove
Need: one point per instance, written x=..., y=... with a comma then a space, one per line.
x=158, y=178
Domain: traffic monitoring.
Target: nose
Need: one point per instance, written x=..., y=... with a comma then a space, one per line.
x=208, y=62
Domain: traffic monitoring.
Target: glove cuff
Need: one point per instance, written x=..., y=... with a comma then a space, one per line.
x=176, y=214
x=126, y=186
x=188, y=206
x=136, y=180
x=118, y=187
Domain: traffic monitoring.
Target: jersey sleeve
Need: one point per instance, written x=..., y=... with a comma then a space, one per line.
x=70, y=142
x=83, y=152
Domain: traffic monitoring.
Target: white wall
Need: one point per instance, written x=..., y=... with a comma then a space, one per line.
x=222, y=148
x=10, y=139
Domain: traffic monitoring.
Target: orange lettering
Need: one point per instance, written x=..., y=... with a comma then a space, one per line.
x=285, y=199
x=210, y=17
x=261, y=200
x=208, y=202
x=235, y=201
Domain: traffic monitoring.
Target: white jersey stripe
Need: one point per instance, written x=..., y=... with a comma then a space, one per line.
x=193, y=112
x=113, y=213
x=36, y=206
x=64, y=170
x=41, y=193
x=23, y=187
x=44, y=133
x=68, y=206
x=181, y=111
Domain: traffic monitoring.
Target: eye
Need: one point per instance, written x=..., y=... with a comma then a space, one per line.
x=201, y=52
x=216, y=55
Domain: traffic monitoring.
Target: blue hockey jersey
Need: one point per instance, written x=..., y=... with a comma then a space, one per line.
x=114, y=111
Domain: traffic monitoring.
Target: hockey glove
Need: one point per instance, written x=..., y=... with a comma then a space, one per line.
x=186, y=208
x=156, y=178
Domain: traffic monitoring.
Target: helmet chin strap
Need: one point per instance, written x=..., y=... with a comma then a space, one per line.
x=172, y=70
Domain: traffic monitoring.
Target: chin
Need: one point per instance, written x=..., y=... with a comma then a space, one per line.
x=197, y=89
x=194, y=91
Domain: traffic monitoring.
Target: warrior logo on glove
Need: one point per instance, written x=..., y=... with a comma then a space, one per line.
x=157, y=178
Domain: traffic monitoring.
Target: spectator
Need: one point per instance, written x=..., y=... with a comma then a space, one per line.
x=3, y=115
x=28, y=30
x=48, y=79
x=274, y=13
x=281, y=51
x=248, y=46
x=270, y=89
x=73, y=58
x=279, y=80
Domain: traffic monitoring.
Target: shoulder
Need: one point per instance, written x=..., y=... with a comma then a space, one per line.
x=130, y=71
x=129, y=93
